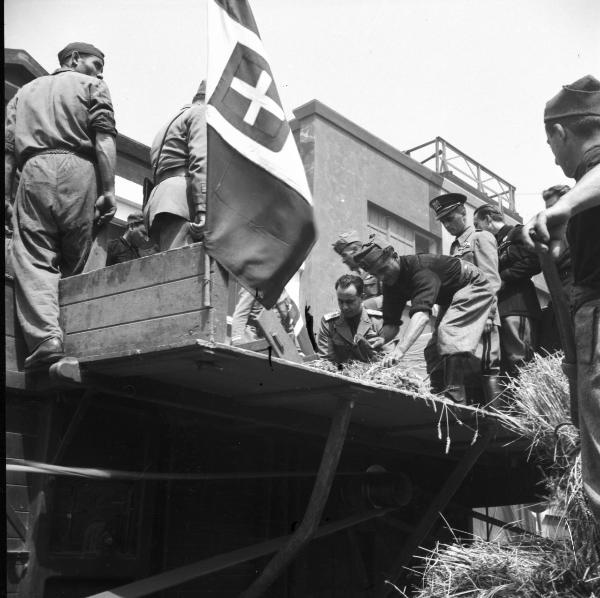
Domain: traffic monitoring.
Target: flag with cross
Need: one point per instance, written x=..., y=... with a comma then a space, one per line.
x=259, y=222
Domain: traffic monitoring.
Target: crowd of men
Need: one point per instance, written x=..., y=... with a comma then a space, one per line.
x=60, y=139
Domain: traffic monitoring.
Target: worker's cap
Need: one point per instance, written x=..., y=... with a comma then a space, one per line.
x=82, y=48
x=444, y=204
x=345, y=239
x=136, y=217
x=201, y=93
x=581, y=98
x=372, y=256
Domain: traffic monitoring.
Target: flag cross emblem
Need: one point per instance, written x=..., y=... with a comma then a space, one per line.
x=247, y=98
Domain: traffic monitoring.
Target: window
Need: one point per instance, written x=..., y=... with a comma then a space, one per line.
x=397, y=232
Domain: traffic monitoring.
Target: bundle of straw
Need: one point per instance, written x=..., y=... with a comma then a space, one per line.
x=538, y=409
x=397, y=376
x=519, y=569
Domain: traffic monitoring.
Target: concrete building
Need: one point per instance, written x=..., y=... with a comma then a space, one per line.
x=360, y=182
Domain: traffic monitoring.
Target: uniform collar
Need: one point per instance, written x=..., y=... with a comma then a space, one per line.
x=463, y=237
x=343, y=328
x=63, y=69
x=591, y=158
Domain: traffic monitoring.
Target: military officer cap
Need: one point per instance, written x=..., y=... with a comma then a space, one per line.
x=444, y=204
x=372, y=256
x=581, y=98
x=135, y=218
x=82, y=48
x=345, y=239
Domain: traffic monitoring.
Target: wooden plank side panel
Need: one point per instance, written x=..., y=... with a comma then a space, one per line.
x=127, y=338
x=137, y=305
x=136, y=274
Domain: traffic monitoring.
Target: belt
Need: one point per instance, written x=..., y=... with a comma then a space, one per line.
x=171, y=172
x=58, y=151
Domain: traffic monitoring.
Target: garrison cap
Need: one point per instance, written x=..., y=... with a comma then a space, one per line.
x=345, y=239
x=371, y=257
x=135, y=218
x=444, y=204
x=82, y=48
x=580, y=98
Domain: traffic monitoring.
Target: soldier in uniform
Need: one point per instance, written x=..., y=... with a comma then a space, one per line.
x=176, y=210
x=518, y=303
x=572, y=122
x=479, y=248
x=60, y=132
x=133, y=244
x=353, y=332
x=459, y=288
x=346, y=245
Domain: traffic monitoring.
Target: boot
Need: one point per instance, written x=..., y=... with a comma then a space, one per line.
x=492, y=390
x=454, y=379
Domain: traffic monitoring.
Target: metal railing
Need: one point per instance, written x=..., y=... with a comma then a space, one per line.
x=454, y=164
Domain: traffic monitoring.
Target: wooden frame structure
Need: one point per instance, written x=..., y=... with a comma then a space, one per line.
x=152, y=332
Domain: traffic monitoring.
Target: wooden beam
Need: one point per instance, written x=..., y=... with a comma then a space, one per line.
x=438, y=504
x=175, y=577
x=314, y=511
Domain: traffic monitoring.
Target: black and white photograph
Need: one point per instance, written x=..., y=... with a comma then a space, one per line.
x=302, y=299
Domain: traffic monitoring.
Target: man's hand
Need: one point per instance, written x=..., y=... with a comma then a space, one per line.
x=546, y=229
x=376, y=343
x=105, y=208
x=197, y=227
x=393, y=358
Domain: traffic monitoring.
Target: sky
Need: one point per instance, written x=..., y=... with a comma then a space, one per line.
x=476, y=72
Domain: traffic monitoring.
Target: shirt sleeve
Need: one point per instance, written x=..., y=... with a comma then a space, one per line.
x=394, y=302
x=9, y=125
x=426, y=287
x=196, y=139
x=486, y=258
x=101, y=113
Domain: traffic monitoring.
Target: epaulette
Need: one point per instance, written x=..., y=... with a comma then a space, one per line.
x=330, y=316
x=375, y=312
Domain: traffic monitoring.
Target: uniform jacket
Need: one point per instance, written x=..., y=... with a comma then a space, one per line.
x=61, y=111
x=335, y=340
x=119, y=251
x=480, y=248
x=517, y=296
x=183, y=151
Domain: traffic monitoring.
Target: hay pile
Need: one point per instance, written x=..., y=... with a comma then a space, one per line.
x=518, y=569
x=398, y=377
x=526, y=568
